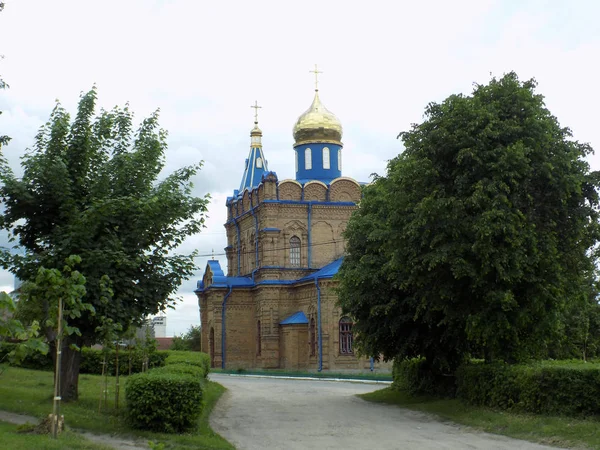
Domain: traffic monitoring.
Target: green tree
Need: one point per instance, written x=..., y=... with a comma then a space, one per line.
x=478, y=235
x=90, y=187
x=190, y=341
x=12, y=329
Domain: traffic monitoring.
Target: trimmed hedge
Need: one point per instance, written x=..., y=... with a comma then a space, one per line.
x=562, y=387
x=416, y=377
x=91, y=361
x=164, y=401
x=188, y=369
x=198, y=359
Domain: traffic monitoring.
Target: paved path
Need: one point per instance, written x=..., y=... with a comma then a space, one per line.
x=271, y=413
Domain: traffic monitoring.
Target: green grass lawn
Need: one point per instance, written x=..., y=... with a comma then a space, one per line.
x=558, y=431
x=30, y=392
x=11, y=439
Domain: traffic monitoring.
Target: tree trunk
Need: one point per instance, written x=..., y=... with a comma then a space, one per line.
x=69, y=371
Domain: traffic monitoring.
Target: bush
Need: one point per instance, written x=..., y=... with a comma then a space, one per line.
x=91, y=361
x=201, y=360
x=34, y=360
x=418, y=378
x=164, y=401
x=562, y=387
x=188, y=369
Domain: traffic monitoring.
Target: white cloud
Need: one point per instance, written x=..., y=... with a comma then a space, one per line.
x=204, y=64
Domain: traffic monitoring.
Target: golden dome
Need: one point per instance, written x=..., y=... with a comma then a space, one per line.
x=317, y=124
x=256, y=131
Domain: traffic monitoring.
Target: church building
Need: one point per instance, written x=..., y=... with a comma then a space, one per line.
x=276, y=306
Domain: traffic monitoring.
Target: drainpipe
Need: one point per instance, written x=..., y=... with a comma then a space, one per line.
x=371, y=364
x=252, y=208
x=309, y=234
x=223, y=306
x=239, y=249
x=320, y=338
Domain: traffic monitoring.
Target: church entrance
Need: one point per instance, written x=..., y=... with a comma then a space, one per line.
x=211, y=344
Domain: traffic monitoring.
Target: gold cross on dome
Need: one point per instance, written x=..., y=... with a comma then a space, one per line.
x=256, y=108
x=316, y=72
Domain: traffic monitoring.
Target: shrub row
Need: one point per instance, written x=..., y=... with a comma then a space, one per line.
x=92, y=360
x=197, y=359
x=415, y=376
x=169, y=398
x=569, y=388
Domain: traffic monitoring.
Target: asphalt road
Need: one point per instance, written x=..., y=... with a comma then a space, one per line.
x=271, y=413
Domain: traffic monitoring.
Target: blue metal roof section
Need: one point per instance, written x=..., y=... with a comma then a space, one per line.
x=327, y=271
x=219, y=280
x=298, y=318
x=256, y=167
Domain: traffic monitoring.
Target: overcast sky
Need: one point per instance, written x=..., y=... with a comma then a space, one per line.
x=204, y=63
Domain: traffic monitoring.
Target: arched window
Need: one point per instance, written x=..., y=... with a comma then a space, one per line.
x=308, y=159
x=258, y=342
x=259, y=163
x=296, y=161
x=295, y=251
x=313, y=337
x=346, y=336
x=340, y=159
x=326, y=161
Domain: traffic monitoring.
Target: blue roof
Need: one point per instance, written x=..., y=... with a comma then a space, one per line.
x=327, y=271
x=256, y=167
x=295, y=319
x=220, y=280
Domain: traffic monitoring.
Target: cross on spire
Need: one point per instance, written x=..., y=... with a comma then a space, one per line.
x=316, y=72
x=256, y=108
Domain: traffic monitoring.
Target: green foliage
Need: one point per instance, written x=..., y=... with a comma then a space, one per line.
x=477, y=237
x=417, y=378
x=31, y=360
x=92, y=360
x=164, y=401
x=90, y=187
x=48, y=287
x=201, y=360
x=581, y=333
x=191, y=340
x=562, y=388
x=182, y=368
x=28, y=343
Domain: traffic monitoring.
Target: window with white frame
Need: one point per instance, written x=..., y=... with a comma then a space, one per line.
x=259, y=163
x=340, y=159
x=307, y=159
x=326, y=161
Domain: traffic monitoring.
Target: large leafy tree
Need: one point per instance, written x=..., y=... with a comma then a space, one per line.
x=90, y=187
x=481, y=232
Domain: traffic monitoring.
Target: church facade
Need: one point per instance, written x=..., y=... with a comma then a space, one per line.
x=276, y=307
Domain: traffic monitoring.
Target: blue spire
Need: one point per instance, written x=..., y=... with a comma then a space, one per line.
x=256, y=164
